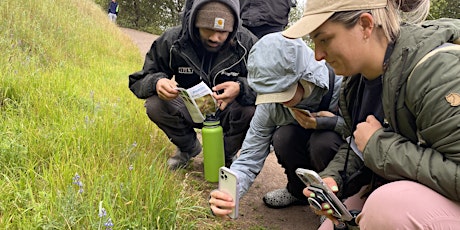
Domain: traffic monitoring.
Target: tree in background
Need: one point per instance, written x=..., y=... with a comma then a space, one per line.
x=444, y=9
x=155, y=16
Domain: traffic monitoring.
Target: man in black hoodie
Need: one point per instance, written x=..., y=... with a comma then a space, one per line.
x=211, y=47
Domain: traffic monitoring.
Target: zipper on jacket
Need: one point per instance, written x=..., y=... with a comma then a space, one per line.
x=234, y=64
x=188, y=60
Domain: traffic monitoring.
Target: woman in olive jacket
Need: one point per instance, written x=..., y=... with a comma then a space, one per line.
x=402, y=103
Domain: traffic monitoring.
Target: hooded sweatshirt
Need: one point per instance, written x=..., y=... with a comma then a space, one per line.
x=178, y=52
x=289, y=62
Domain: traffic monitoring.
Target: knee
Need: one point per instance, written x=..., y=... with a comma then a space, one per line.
x=278, y=142
x=286, y=145
x=379, y=208
x=325, y=142
x=242, y=113
x=381, y=198
x=281, y=137
x=153, y=107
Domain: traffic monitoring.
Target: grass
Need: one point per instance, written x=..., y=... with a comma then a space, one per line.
x=76, y=148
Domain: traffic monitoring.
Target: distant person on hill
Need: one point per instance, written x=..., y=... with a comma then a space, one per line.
x=265, y=16
x=113, y=11
x=208, y=47
x=287, y=79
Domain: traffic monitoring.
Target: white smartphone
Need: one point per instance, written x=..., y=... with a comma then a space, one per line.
x=228, y=182
x=323, y=194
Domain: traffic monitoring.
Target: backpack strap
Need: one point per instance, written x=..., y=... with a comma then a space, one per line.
x=443, y=47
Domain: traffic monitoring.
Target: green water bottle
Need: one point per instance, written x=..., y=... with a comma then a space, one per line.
x=213, y=148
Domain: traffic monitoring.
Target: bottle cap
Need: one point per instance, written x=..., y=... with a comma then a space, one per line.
x=211, y=119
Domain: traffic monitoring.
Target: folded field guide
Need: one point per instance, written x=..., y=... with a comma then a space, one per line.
x=199, y=101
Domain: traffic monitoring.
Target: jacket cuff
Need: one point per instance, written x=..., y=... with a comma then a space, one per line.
x=326, y=122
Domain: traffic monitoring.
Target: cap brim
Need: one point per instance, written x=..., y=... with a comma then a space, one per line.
x=306, y=25
x=277, y=97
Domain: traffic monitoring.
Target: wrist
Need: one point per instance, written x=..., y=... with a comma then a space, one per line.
x=240, y=85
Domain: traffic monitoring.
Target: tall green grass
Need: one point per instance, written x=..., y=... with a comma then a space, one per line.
x=76, y=148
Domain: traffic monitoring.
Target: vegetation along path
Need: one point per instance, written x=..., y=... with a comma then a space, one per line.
x=253, y=213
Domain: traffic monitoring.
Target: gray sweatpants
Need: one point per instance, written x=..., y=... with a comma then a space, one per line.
x=113, y=17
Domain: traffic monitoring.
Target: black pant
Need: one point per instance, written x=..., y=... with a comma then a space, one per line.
x=296, y=147
x=174, y=119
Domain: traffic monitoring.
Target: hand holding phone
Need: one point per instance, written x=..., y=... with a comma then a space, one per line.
x=323, y=194
x=303, y=111
x=228, y=183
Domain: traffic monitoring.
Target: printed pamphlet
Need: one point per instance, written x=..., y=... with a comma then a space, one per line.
x=354, y=147
x=199, y=101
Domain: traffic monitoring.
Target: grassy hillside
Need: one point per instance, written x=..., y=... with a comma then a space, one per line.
x=76, y=148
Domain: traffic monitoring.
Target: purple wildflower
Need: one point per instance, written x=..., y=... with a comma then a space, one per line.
x=108, y=224
x=76, y=180
x=102, y=212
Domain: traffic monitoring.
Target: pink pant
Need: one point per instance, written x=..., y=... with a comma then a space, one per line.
x=403, y=205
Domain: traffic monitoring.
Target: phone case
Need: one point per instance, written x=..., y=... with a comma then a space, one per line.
x=304, y=111
x=316, y=184
x=228, y=182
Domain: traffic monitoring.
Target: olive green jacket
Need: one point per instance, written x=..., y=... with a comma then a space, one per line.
x=422, y=142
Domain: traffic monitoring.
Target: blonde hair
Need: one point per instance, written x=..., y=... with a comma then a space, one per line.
x=390, y=17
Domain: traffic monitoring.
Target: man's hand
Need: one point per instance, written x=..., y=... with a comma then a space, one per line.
x=231, y=90
x=365, y=130
x=221, y=203
x=166, y=89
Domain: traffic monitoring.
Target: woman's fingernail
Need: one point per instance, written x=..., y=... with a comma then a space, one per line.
x=329, y=211
x=335, y=188
x=312, y=194
x=326, y=206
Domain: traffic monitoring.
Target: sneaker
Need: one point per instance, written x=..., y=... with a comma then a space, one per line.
x=281, y=198
x=181, y=159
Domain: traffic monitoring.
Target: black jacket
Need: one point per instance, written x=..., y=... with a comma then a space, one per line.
x=177, y=53
x=113, y=8
x=265, y=12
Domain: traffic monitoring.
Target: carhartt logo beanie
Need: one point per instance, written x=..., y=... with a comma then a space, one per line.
x=215, y=16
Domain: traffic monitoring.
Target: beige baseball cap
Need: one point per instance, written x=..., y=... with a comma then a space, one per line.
x=276, y=66
x=316, y=12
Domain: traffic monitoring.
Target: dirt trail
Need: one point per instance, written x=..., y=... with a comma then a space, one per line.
x=253, y=213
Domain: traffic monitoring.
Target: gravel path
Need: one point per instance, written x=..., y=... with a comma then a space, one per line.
x=253, y=213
